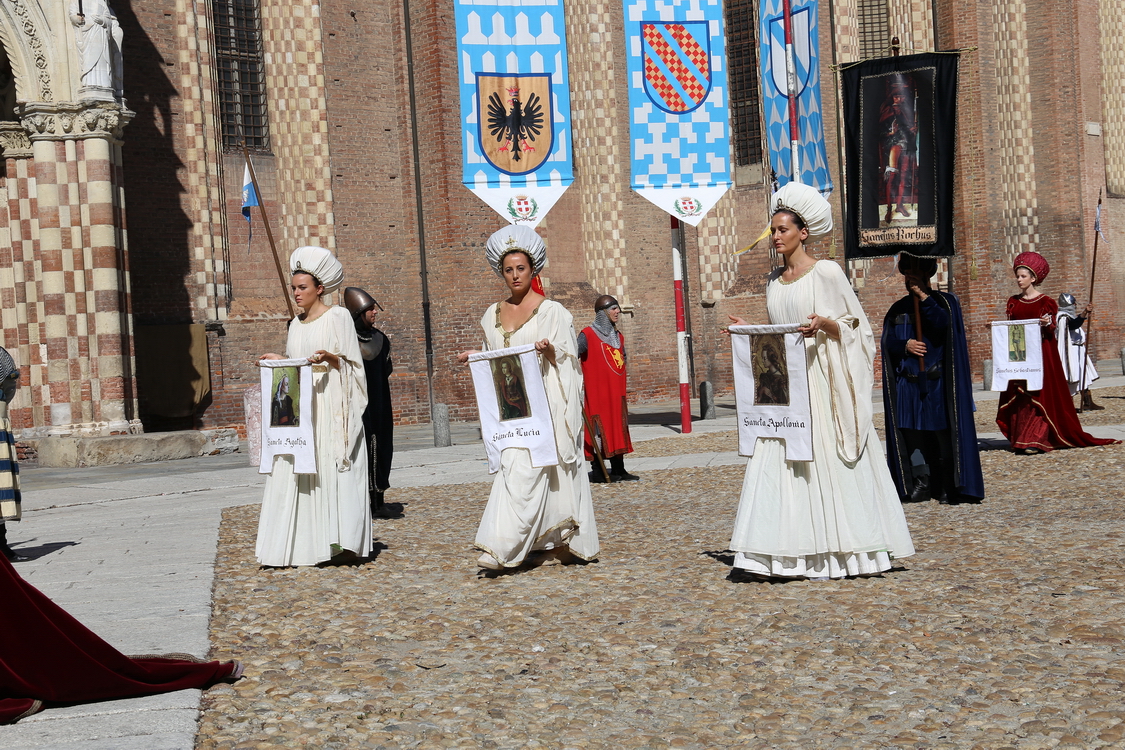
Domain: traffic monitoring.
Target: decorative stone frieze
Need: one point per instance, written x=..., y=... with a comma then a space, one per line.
x=59, y=121
x=14, y=142
x=34, y=43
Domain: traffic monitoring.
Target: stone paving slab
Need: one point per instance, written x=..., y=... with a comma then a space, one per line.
x=158, y=722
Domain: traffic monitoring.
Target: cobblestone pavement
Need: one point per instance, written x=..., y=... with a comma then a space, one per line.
x=1004, y=631
x=1111, y=399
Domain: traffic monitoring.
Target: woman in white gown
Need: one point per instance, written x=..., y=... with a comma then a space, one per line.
x=533, y=508
x=839, y=514
x=308, y=519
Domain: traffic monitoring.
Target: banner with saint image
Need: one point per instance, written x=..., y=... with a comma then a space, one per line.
x=771, y=388
x=515, y=104
x=1017, y=353
x=899, y=124
x=286, y=416
x=512, y=402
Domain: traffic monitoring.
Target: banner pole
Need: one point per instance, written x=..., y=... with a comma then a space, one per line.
x=791, y=93
x=269, y=233
x=681, y=328
x=1090, y=299
x=918, y=338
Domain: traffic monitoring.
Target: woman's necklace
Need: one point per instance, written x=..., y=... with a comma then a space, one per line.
x=508, y=334
x=796, y=273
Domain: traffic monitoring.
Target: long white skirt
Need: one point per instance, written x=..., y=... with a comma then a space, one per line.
x=533, y=508
x=821, y=518
x=303, y=515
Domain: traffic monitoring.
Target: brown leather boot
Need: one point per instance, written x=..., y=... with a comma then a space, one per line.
x=1088, y=402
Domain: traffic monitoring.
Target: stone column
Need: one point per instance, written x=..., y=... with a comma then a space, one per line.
x=78, y=235
x=601, y=142
x=19, y=305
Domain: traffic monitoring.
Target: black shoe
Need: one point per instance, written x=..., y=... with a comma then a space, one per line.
x=598, y=478
x=7, y=551
x=10, y=553
x=626, y=477
x=921, y=491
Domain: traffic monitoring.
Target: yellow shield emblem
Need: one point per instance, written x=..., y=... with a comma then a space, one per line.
x=516, y=130
x=614, y=357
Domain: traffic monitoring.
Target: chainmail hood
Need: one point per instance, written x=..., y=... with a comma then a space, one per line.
x=603, y=326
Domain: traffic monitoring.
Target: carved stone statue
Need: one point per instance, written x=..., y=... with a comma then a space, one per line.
x=99, y=35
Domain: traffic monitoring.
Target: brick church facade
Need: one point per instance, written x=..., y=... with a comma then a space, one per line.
x=135, y=298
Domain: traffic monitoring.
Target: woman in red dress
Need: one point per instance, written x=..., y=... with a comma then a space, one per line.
x=1039, y=421
x=49, y=658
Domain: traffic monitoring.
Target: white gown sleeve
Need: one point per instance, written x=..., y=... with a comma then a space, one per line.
x=563, y=380
x=353, y=385
x=849, y=362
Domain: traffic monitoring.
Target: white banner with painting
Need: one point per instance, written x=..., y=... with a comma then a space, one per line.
x=771, y=388
x=512, y=401
x=1017, y=353
x=287, y=426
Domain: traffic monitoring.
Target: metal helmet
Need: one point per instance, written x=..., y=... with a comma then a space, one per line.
x=1066, y=299
x=358, y=302
x=605, y=302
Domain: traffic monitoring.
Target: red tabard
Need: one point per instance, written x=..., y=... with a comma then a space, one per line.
x=1043, y=419
x=603, y=369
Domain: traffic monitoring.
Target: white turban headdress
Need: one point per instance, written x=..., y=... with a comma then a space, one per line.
x=516, y=237
x=806, y=202
x=320, y=263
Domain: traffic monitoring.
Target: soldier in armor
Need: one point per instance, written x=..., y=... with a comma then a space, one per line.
x=601, y=348
x=1077, y=365
x=378, y=419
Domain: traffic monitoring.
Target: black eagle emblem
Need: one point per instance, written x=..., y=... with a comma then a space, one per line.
x=517, y=124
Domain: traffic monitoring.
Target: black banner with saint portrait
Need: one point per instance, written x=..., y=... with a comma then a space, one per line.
x=899, y=121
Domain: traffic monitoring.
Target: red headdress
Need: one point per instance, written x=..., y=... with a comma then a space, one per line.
x=1035, y=263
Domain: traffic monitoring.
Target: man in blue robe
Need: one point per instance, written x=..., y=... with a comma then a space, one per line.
x=931, y=435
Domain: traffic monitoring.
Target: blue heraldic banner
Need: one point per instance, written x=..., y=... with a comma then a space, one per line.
x=775, y=100
x=515, y=105
x=679, y=125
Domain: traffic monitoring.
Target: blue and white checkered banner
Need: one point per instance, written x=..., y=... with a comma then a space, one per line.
x=806, y=56
x=515, y=105
x=679, y=125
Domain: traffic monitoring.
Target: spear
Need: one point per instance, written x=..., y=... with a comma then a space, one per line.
x=1090, y=297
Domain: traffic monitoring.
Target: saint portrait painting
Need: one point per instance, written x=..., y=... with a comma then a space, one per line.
x=285, y=407
x=1017, y=344
x=507, y=374
x=899, y=119
x=771, y=375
